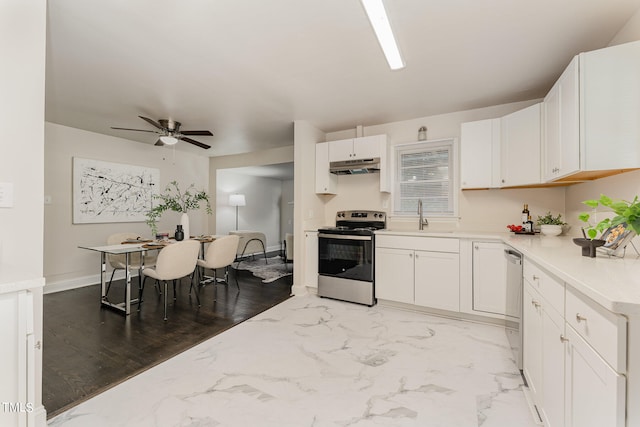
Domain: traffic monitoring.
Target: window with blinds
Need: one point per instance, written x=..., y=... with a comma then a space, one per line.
x=426, y=171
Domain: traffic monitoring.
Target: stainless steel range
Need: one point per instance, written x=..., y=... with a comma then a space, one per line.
x=346, y=256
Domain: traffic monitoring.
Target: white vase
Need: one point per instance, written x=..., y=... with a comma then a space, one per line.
x=184, y=221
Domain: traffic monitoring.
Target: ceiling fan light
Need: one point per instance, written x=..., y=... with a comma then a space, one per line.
x=168, y=139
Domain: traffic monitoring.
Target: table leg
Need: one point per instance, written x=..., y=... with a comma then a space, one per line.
x=127, y=298
x=103, y=273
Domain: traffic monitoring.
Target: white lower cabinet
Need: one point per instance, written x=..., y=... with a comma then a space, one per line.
x=532, y=341
x=421, y=271
x=570, y=382
x=437, y=280
x=490, y=279
x=310, y=259
x=394, y=275
x=595, y=393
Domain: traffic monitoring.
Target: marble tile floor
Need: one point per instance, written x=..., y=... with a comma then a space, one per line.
x=318, y=362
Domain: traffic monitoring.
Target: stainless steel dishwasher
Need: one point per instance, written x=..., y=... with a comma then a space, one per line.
x=514, y=299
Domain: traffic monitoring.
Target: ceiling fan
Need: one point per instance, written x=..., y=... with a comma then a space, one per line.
x=170, y=133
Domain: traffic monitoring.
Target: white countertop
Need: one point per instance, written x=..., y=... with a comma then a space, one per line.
x=612, y=282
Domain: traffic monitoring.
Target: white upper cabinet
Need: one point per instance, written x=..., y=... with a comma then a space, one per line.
x=480, y=154
x=356, y=148
x=520, y=147
x=326, y=183
x=562, y=117
x=591, y=116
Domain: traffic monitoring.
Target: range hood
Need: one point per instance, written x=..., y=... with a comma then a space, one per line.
x=355, y=167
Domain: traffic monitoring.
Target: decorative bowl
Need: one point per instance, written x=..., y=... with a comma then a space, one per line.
x=551, y=230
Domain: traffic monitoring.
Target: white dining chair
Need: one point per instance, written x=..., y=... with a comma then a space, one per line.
x=220, y=254
x=118, y=262
x=175, y=261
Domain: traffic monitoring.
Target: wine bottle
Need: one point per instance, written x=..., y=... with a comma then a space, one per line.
x=525, y=214
x=529, y=224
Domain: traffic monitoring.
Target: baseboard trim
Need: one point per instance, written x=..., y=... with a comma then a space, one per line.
x=81, y=282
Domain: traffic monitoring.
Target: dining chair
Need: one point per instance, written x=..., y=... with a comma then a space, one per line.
x=220, y=253
x=175, y=261
x=118, y=262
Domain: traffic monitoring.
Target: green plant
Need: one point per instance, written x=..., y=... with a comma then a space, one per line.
x=549, y=219
x=172, y=199
x=626, y=212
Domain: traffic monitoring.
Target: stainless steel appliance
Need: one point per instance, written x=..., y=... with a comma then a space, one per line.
x=346, y=256
x=514, y=299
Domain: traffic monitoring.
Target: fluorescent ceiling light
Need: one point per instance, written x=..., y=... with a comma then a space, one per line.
x=168, y=139
x=380, y=23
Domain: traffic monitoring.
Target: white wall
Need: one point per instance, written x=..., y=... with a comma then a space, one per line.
x=262, y=211
x=22, y=82
x=256, y=158
x=65, y=265
x=286, y=208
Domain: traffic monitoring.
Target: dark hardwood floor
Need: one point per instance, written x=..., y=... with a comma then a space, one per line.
x=88, y=349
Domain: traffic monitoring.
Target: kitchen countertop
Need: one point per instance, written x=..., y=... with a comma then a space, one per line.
x=612, y=282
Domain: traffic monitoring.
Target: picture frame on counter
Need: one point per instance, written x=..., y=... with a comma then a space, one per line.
x=616, y=240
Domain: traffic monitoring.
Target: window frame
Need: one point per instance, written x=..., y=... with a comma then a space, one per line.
x=454, y=172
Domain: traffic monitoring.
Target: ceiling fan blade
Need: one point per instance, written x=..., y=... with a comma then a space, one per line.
x=196, y=132
x=136, y=130
x=152, y=122
x=159, y=143
x=194, y=142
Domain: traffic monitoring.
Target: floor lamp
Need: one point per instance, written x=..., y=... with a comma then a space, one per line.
x=237, y=200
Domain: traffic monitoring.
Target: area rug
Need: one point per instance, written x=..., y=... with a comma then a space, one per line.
x=274, y=269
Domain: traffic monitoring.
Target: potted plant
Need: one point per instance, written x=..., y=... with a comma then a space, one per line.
x=178, y=201
x=550, y=225
x=627, y=214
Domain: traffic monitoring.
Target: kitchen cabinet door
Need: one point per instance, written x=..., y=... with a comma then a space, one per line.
x=437, y=280
x=326, y=182
x=480, y=154
x=394, y=275
x=490, y=279
x=562, y=125
x=595, y=393
x=520, y=146
x=532, y=341
x=311, y=259
x=552, y=409
x=368, y=147
x=18, y=358
x=341, y=150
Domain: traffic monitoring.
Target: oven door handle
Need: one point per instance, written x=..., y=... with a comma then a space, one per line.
x=343, y=236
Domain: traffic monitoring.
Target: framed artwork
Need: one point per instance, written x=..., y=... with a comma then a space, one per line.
x=112, y=192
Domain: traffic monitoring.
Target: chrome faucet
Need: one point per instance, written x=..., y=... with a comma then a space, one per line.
x=422, y=221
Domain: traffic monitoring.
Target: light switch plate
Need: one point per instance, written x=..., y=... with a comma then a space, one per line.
x=6, y=194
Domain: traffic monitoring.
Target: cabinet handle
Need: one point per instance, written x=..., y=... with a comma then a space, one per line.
x=563, y=338
x=580, y=317
x=476, y=247
x=535, y=303
x=38, y=345
x=503, y=181
x=410, y=255
x=535, y=277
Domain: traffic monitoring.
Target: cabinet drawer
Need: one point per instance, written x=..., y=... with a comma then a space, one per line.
x=434, y=244
x=605, y=331
x=551, y=289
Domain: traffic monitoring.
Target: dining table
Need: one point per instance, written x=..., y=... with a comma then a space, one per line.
x=127, y=248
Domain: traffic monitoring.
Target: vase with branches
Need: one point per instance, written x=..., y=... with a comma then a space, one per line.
x=173, y=199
